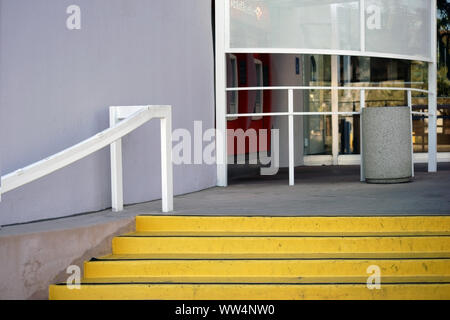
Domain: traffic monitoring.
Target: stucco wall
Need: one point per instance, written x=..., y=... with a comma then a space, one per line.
x=56, y=86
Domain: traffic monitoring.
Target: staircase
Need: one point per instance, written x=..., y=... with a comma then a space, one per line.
x=275, y=258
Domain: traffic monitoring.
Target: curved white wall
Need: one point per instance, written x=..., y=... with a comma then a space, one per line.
x=56, y=86
x=386, y=28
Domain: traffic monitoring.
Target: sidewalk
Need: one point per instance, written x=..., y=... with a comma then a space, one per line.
x=318, y=191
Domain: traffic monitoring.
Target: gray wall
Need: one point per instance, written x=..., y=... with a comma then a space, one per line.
x=56, y=86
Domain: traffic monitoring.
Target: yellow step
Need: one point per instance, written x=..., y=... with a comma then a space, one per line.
x=300, y=226
x=272, y=258
x=261, y=271
x=266, y=279
x=152, y=291
x=290, y=247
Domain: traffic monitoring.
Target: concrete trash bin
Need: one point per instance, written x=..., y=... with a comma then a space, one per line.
x=386, y=134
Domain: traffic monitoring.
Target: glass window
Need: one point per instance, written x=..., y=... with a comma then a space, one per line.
x=317, y=129
x=399, y=27
x=313, y=24
x=233, y=96
x=378, y=72
x=393, y=27
x=349, y=142
x=443, y=121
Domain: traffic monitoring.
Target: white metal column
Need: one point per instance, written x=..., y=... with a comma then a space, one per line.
x=166, y=163
x=221, y=99
x=116, y=166
x=291, y=137
x=432, y=96
x=362, y=105
x=362, y=24
x=335, y=107
x=409, y=98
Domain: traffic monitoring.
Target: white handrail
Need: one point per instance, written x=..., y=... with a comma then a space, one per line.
x=290, y=114
x=324, y=113
x=123, y=121
x=326, y=88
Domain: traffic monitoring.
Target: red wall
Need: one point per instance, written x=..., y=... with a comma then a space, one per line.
x=247, y=78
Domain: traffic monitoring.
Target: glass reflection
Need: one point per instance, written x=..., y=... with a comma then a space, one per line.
x=317, y=129
x=313, y=24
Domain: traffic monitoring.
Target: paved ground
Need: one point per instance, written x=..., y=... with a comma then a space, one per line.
x=318, y=191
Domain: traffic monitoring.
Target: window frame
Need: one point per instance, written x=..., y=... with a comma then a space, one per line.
x=259, y=92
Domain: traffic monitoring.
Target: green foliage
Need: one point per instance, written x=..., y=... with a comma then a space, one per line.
x=443, y=82
x=443, y=25
x=444, y=9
